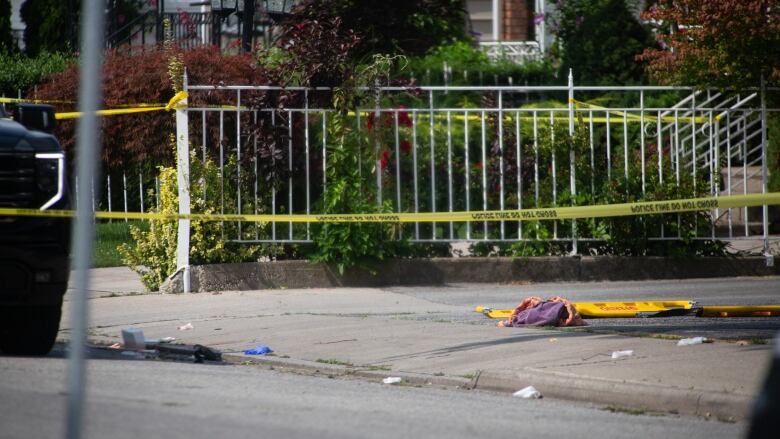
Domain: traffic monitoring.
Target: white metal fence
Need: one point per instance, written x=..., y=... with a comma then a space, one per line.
x=489, y=148
x=131, y=190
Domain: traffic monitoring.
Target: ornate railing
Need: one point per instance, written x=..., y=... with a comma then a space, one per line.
x=518, y=52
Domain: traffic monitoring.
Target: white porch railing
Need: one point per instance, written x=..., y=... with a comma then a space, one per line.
x=518, y=52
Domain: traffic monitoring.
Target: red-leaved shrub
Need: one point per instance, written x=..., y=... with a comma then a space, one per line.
x=143, y=138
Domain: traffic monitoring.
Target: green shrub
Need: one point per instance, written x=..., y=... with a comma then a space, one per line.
x=153, y=255
x=599, y=40
x=773, y=149
x=356, y=244
x=351, y=244
x=6, y=38
x=22, y=73
x=471, y=66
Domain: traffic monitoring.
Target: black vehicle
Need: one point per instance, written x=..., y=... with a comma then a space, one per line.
x=34, y=251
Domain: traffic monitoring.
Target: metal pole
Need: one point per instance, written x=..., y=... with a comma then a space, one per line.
x=764, y=172
x=572, y=164
x=88, y=150
x=248, y=26
x=183, y=182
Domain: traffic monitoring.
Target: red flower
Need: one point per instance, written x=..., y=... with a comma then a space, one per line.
x=478, y=166
x=403, y=117
x=300, y=26
x=385, y=159
x=405, y=146
x=370, y=121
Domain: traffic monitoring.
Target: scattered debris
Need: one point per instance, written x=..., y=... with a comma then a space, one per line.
x=621, y=354
x=135, y=346
x=260, y=350
x=692, y=341
x=553, y=340
x=529, y=392
x=151, y=343
x=186, y=327
x=199, y=352
x=392, y=380
x=133, y=339
x=134, y=355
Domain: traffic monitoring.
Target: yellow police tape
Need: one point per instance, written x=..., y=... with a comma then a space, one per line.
x=605, y=309
x=136, y=108
x=552, y=213
x=4, y=100
x=629, y=117
x=126, y=109
x=611, y=115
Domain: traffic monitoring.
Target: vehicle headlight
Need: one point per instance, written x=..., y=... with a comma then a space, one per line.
x=50, y=177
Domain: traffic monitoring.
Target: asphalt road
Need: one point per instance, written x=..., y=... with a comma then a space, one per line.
x=721, y=291
x=144, y=398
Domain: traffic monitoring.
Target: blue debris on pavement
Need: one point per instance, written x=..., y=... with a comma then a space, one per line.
x=260, y=350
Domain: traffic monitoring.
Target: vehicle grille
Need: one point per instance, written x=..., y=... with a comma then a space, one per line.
x=17, y=179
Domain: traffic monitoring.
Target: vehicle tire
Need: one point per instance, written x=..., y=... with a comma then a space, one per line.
x=29, y=330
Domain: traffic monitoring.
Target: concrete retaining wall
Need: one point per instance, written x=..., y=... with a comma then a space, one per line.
x=440, y=271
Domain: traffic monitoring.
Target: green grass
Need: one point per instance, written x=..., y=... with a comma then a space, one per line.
x=334, y=361
x=382, y=367
x=108, y=236
x=626, y=410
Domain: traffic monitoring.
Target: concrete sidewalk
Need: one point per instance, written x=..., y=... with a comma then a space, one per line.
x=376, y=333
x=111, y=281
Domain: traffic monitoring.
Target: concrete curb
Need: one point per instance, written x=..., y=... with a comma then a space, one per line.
x=619, y=393
x=440, y=271
x=325, y=369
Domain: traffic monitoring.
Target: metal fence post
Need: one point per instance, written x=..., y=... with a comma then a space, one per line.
x=183, y=181
x=377, y=146
x=764, y=173
x=572, y=167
